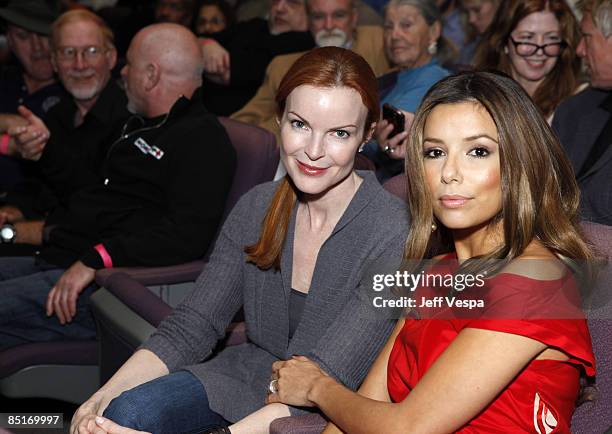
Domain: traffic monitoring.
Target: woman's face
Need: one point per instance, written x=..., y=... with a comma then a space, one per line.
x=407, y=36
x=210, y=20
x=480, y=13
x=321, y=130
x=538, y=28
x=462, y=165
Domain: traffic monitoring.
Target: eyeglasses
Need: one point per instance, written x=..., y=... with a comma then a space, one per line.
x=525, y=49
x=68, y=54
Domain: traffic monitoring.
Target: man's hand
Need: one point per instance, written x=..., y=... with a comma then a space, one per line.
x=63, y=296
x=31, y=139
x=8, y=120
x=216, y=58
x=29, y=232
x=10, y=214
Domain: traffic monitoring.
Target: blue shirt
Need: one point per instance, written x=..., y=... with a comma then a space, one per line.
x=412, y=85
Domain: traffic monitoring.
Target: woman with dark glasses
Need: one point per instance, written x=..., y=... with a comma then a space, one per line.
x=535, y=42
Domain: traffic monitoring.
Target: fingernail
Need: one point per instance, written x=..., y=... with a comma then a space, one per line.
x=100, y=420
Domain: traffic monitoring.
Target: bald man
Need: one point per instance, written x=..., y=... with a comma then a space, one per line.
x=160, y=201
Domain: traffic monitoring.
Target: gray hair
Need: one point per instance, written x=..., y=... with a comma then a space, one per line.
x=601, y=11
x=447, y=52
x=427, y=9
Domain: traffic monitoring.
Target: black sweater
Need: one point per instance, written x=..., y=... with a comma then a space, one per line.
x=161, y=197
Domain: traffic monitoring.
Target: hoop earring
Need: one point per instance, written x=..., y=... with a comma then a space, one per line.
x=432, y=48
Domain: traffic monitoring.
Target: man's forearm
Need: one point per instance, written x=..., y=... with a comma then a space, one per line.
x=29, y=232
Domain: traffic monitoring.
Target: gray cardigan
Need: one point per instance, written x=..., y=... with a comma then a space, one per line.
x=337, y=329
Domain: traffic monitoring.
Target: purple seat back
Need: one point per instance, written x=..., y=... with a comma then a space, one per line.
x=257, y=157
x=397, y=186
x=596, y=416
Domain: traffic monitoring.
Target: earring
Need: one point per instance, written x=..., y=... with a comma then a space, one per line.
x=506, y=49
x=432, y=48
x=434, y=227
x=361, y=147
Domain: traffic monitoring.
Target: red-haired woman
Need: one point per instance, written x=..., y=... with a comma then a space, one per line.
x=293, y=253
x=535, y=42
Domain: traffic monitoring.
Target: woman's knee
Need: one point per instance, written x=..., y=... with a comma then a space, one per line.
x=135, y=408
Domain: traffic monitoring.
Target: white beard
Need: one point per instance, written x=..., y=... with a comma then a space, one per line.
x=335, y=38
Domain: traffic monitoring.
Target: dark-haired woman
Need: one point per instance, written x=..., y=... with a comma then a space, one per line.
x=212, y=16
x=535, y=42
x=477, y=151
x=293, y=253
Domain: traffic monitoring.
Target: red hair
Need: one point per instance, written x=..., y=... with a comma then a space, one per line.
x=322, y=67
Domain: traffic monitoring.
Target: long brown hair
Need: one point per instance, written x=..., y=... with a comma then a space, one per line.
x=326, y=67
x=540, y=196
x=562, y=81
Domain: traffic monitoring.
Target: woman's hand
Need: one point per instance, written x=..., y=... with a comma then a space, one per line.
x=295, y=379
x=394, y=147
x=83, y=421
x=107, y=426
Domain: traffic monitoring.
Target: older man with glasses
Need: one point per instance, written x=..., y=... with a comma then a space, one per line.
x=71, y=143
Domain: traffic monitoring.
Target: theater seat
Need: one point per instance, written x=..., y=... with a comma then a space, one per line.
x=69, y=370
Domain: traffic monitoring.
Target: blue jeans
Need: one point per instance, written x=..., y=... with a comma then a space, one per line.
x=176, y=403
x=24, y=287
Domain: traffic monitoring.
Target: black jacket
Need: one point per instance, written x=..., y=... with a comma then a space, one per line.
x=251, y=47
x=73, y=156
x=163, y=192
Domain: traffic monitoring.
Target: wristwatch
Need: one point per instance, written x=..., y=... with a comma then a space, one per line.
x=8, y=233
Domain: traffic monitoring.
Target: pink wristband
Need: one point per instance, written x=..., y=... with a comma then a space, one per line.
x=4, y=144
x=106, y=259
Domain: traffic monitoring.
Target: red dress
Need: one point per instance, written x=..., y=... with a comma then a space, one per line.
x=541, y=399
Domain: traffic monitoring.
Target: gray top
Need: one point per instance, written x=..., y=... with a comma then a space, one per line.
x=337, y=329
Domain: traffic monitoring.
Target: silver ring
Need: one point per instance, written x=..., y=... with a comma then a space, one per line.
x=388, y=150
x=273, y=387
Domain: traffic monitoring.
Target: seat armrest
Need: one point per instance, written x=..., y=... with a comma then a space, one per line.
x=187, y=272
x=306, y=424
x=137, y=297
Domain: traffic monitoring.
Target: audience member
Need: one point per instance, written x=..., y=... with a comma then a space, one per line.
x=584, y=121
x=331, y=22
x=480, y=15
x=212, y=16
x=535, y=42
x=159, y=203
x=174, y=11
x=479, y=147
x=71, y=144
x=288, y=251
x=369, y=14
x=235, y=61
x=452, y=23
x=29, y=81
x=414, y=44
